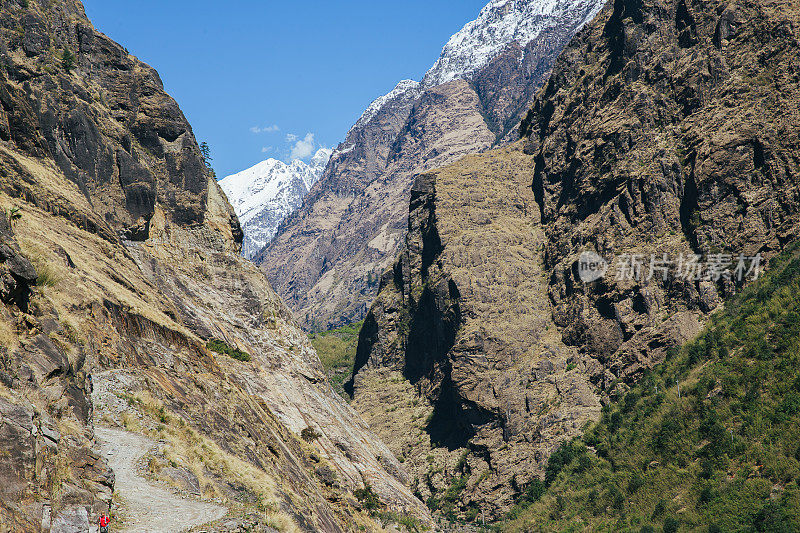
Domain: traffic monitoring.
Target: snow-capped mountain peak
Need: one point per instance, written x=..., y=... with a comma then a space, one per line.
x=266, y=193
x=499, y=24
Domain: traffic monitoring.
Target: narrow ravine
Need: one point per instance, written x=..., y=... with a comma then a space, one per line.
x=148, y=507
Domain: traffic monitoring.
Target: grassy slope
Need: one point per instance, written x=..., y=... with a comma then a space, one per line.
x=722, y=456
x=337, y=351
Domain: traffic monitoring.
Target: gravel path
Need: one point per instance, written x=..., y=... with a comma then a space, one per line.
x=148, y=508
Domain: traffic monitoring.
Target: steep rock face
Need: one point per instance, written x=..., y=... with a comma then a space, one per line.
x=499, y=24
x=265, y=194
x=327, y=257
x=119, y=261
x=340, y=241
x=461, y=338
x=665, y=128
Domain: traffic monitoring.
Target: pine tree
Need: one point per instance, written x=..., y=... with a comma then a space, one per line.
x=67, y=61
x=205, y=151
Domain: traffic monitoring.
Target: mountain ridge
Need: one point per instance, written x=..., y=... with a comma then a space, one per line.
x=666, y=131
x=124, y=302
x=326, y=256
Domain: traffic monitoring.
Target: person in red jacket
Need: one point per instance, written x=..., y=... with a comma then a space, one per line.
x=104, y=520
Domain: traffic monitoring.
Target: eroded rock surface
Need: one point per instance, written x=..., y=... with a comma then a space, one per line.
x=460, y=365
x=120, y=254
x=665, y=128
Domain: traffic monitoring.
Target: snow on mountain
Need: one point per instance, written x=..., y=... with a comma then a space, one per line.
x=499, y=24
x=265, y=194
x=373, y=108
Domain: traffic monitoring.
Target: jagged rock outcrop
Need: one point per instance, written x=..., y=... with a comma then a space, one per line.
x=120, y=262
x=665, y=128
x=327, y=257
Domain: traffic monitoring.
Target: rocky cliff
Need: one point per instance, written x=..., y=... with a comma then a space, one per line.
x=119, y=268
x=327, y=257
x=667, y=130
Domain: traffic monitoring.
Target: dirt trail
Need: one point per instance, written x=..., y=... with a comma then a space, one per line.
x=148, y=508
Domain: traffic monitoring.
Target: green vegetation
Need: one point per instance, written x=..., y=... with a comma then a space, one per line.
x=337, y=351
x=367, y=497
x=220, y=347
x=46, y=275
x=411, y=524
x=14, y=214
x=721, y=455
x=205, y=151
x=447, y=501
x=67, y=61
x=310, y=434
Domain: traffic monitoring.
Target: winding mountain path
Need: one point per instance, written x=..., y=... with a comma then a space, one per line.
x=148, y=507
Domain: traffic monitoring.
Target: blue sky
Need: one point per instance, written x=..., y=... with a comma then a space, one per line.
x=252, y=75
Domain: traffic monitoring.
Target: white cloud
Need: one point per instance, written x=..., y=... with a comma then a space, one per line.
x=291, y=137
x=266, y=149
x=303, y=148
x=265, y=129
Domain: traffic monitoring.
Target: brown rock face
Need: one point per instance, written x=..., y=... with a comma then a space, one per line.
x=655, y=142
x=331, y=252
x=326, y=258
x=665, y=128
x=119, y=261
x=461, y=337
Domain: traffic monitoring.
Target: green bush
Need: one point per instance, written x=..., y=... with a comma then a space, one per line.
x=310, y=434
x=367, y=497
x=14, y=214
x=560, y=459
x=218, y=346
x=671, y=524
x=67, y=61
x=46, y=276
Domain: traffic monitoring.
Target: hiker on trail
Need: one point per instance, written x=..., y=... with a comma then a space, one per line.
x=104, y=520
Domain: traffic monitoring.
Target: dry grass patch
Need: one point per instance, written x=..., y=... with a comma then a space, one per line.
x=187, y=448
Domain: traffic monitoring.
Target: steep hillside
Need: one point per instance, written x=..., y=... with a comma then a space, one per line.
x=326, y=257
x=265, y=194
x=329, y=254
x=125, y=302
x=666, y=130
x=708, y=439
